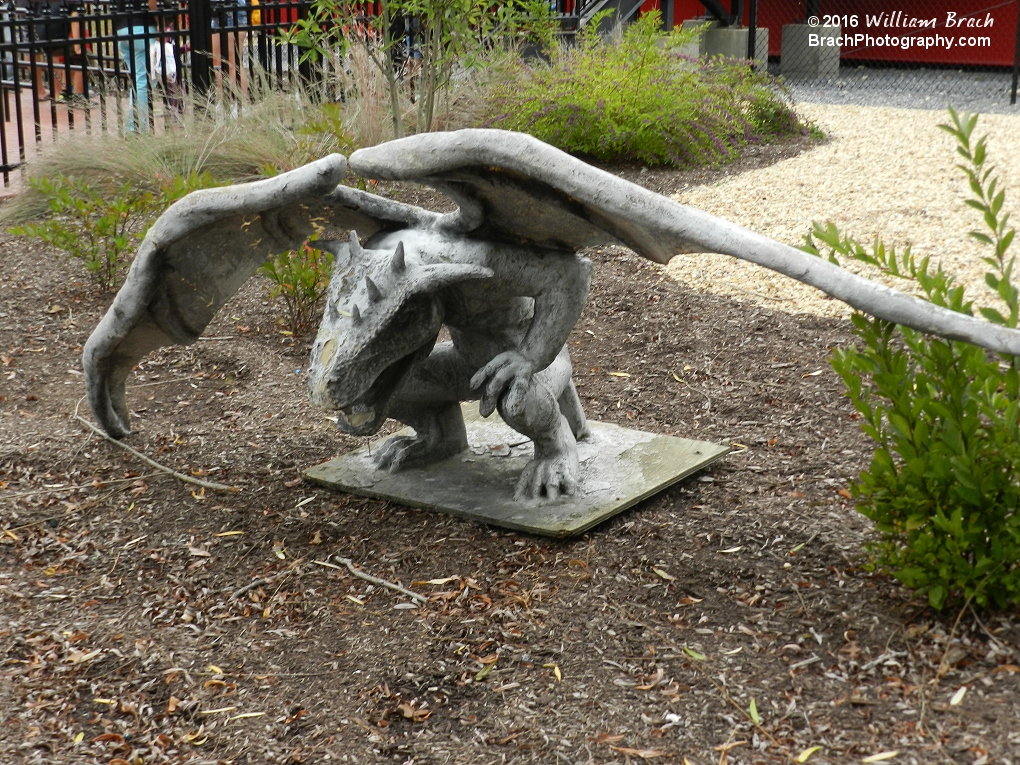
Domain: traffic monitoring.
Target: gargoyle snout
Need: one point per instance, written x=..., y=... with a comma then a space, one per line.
x=318, y=373
x=372, y=325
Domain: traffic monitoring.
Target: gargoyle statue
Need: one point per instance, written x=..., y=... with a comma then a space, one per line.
x=502, y=274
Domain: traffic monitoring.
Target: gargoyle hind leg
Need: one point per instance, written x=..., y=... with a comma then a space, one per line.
x=429, y=401
x=570, y=407
x=551, y=417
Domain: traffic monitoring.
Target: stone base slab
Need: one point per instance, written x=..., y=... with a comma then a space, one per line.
x=619, y=468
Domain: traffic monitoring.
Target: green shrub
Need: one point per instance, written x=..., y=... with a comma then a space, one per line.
x=943, y=487
x=99, y=232
x=637, y=98
x=300, y=278
x=102, y=231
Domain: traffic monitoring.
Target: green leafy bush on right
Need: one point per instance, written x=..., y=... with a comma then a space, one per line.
x=638, y=98
x=943, y=486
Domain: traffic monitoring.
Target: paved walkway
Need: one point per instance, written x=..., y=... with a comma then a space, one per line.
x=986, y=92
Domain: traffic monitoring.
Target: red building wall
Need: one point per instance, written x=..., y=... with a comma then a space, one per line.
x=773, y=14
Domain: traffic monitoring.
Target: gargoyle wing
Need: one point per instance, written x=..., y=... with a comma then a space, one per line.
x=202, y=250
x=512, y=186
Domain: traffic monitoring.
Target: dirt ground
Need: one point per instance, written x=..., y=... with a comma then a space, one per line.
x=730, y=619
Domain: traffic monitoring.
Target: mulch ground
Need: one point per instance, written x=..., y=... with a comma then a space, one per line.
x=730, y=619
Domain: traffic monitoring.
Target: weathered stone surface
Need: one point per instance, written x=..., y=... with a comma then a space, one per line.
x=502, y=275
x=619, y=468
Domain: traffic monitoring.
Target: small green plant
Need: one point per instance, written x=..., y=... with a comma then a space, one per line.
x=177, y=187
x=99, y=231
x=300, y=278
x=102, y=230
x=943, y=487
x=636, y=97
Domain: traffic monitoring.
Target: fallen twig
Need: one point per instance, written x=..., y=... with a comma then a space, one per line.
x=179, y=476
x=373, y=579
x=247, y=588
x=995, y=641
x=76, y=488
x=725, y=694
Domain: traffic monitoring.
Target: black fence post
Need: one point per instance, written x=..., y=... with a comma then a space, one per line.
x=200, y=27
x=1016, y=59
x=752, y=31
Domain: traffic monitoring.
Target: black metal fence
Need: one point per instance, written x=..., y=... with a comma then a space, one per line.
x=131, y=64
x=118, y=65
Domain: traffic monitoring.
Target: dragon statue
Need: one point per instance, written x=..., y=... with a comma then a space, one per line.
x=502, y=274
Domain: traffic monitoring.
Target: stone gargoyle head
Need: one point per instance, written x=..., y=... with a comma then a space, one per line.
x=382, y=315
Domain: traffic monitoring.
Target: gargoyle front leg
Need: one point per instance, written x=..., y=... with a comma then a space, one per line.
x=554, y=470
x=429, y=401
x=528, y=383
x=558, y=283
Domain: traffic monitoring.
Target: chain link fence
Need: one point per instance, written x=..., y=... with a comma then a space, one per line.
x=910, y=53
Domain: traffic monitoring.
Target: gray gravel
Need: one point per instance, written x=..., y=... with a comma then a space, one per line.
x=973, y=91
x=884, y=171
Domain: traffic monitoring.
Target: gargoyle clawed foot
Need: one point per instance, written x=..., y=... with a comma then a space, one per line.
x=548, y=478
x=438, y=434
x=402, y=452
x=555, y=471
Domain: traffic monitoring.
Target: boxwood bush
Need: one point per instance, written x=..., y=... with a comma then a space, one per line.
x=943, y=487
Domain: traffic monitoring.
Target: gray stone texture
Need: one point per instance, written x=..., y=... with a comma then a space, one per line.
x=502, y=274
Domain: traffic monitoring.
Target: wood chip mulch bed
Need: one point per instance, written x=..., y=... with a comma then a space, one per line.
x=731, y=619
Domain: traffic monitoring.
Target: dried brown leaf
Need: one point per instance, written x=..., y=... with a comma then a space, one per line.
x=644, y=754
x=411, y=713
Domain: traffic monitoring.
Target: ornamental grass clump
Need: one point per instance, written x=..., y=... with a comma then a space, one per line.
x=636, y=97
x=943, y=487
x=231, y=137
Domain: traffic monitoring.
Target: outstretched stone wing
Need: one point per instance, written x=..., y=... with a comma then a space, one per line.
x=511, y=186
x=202, y=250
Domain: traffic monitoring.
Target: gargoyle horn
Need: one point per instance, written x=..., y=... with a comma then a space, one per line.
x=355, y=315
x=374, y=293
x=397, y=263
x=355, y=244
